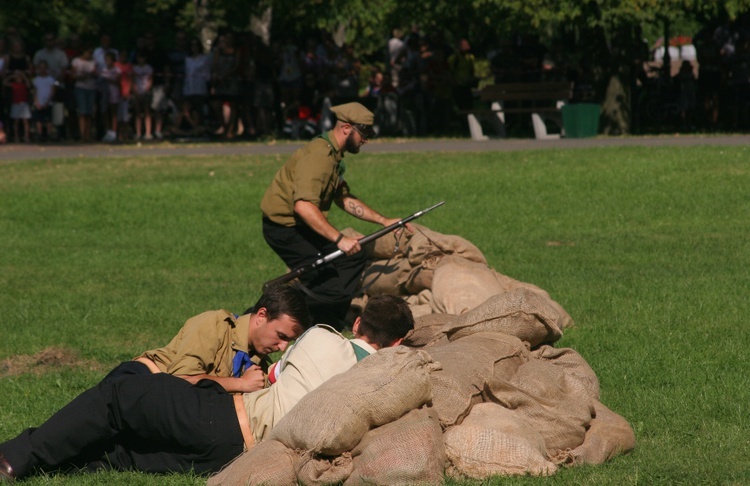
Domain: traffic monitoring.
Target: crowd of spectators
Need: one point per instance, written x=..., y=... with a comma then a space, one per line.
x=237, y=86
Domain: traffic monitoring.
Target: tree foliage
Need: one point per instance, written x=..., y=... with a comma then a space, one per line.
x=363, y=24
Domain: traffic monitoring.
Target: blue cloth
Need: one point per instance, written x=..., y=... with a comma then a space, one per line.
x=240, y=363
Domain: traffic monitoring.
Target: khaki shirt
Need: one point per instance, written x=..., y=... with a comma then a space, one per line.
x=207, y=343
x=314, y=173
x=318, y=355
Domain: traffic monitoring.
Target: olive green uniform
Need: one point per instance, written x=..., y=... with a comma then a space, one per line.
x=314, y=173
x=207, y=343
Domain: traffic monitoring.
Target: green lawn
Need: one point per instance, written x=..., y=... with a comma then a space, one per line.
x=648, y=249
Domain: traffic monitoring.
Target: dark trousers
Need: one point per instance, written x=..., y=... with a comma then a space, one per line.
x=152, y=423
x=332, y=284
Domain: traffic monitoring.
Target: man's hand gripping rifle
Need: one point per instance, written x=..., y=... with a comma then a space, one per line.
x=288, y=277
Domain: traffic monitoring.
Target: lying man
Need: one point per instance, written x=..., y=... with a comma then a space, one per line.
x=321, y=353
x=231, y=350
x=162, y=423
x=216, y=346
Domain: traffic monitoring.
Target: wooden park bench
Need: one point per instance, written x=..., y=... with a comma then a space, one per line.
x=542, y=100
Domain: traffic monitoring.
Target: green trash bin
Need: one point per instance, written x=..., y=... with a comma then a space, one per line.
x=581, y=120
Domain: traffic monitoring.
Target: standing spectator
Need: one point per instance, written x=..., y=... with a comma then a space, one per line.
x=290, y=73
x=159, y=62
x=263, y=97
x=102, y=86
x=225, y=73
x=396, y=46
x=176, y=57
x=461, y=65
x=110, y=74
x=44, y=92
x=374, y=84
x=20, y=112
x=126, y=87
x=18, y=60
x=143, y=81
x=57, y=65
x=72, y=49
x=100, y=53
x=247, y=85
x=53, y=56
x=347, y=75
x=195, y=85
x=11, y=33
x=84, y=73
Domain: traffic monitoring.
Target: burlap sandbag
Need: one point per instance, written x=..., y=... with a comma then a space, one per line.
x=429, y=329
x=426, y=242
x=387, y=246
x=507, y=283
x=268, y=463
x=466, y=365
x=419, y=310
x=459, y=285
x=408, y=451
x=521, y=313
x=539, y=393
x=334, y=417
x=579, y=377
x=420, y=276
x=608, y=436
x=384, y=276
x=315, y=470
x=494, y=440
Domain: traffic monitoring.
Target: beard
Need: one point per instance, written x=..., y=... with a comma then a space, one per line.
x=350, y=145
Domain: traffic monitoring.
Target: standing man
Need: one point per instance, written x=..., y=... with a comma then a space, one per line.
x=462, y=69
x=295, y=214
x=57, y=61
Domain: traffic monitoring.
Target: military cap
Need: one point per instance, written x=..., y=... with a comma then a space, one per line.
x=356, y=115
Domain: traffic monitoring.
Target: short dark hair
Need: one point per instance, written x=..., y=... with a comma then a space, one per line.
x=385, y=319
x=283, y=299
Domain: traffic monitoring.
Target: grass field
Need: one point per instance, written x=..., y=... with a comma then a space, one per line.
x=646, y=248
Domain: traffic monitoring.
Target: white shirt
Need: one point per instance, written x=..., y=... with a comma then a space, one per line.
x=197, y=74
x=318, y=355
x=82, y=66
x=56, y=60
x=43, y=88
x=142, y=78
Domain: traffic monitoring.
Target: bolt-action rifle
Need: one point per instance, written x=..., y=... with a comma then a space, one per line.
x=288, y=277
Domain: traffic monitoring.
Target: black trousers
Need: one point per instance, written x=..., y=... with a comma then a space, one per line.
x=333, y=284
x=152, y=423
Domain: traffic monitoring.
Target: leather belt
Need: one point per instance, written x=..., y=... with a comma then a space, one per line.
x=247, y=435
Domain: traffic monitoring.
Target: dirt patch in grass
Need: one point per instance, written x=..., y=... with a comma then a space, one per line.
x=45, y=361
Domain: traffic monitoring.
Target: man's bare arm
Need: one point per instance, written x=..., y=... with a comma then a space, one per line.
x=359, y=209
x=252, y=380
x=315, y=219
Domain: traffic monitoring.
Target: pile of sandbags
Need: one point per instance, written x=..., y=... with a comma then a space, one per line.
x=437, y=273
x=477, y=389
x=508, y=401
x=468, y=396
